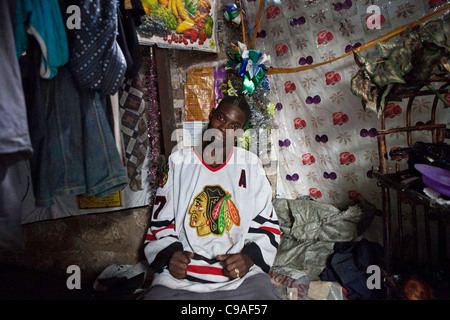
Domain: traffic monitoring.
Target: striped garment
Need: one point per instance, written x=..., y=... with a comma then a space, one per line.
x=212, y=211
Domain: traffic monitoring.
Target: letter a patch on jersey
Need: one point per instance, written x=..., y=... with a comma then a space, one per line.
x=243, y=180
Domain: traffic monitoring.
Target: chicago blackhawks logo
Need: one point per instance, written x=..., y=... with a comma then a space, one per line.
x=164, y=176
x=213, y=212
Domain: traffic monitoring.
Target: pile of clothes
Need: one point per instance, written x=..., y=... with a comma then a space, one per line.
x=320, y=243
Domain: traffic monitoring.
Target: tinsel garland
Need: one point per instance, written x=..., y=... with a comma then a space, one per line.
x=262, y=111
x=245, y=76
x=153, y=122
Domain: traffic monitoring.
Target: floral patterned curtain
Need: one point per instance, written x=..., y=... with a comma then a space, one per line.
x=326, y=143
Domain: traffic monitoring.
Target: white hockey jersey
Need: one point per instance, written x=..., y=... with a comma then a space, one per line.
x=212, y=211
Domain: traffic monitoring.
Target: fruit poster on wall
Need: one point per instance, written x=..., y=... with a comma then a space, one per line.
x=179, y=24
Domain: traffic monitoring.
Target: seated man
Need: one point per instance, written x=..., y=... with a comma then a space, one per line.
x=214, y=233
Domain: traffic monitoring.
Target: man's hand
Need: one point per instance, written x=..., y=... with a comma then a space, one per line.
x=235, y=265
x=178, y=263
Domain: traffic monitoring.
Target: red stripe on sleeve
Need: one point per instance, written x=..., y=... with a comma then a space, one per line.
x=150, y=237
x=273, y=230
x=170, y=226
x=205, y=270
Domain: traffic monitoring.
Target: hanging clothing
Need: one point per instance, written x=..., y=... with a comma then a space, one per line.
x=43, y=20
x=131, y=96
x=15, y=143
x=113, y=105
x=14, y=134
x=23, y=10
x=75, y=151
x=11, y=168
x=129, y=18
x=134, y=130
x=96, y=61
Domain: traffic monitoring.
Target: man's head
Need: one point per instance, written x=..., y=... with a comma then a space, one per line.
x=240, y=102
x=230, y=115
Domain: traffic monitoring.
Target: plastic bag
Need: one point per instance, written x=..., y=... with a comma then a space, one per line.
x=295, y=284
x=292, y=284
x=325, y=290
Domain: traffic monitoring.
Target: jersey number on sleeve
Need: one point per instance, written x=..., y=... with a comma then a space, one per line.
x=160, y=201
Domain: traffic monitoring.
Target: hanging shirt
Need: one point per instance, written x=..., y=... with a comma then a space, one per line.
x=47, y=26
x=212, y=211
x=14, y=133
x=15, y=143
x=97, y=62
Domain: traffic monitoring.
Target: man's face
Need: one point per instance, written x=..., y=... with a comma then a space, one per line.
x=227, y=118
x=197, y=211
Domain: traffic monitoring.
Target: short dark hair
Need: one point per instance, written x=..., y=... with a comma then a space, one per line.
x=240, y=102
